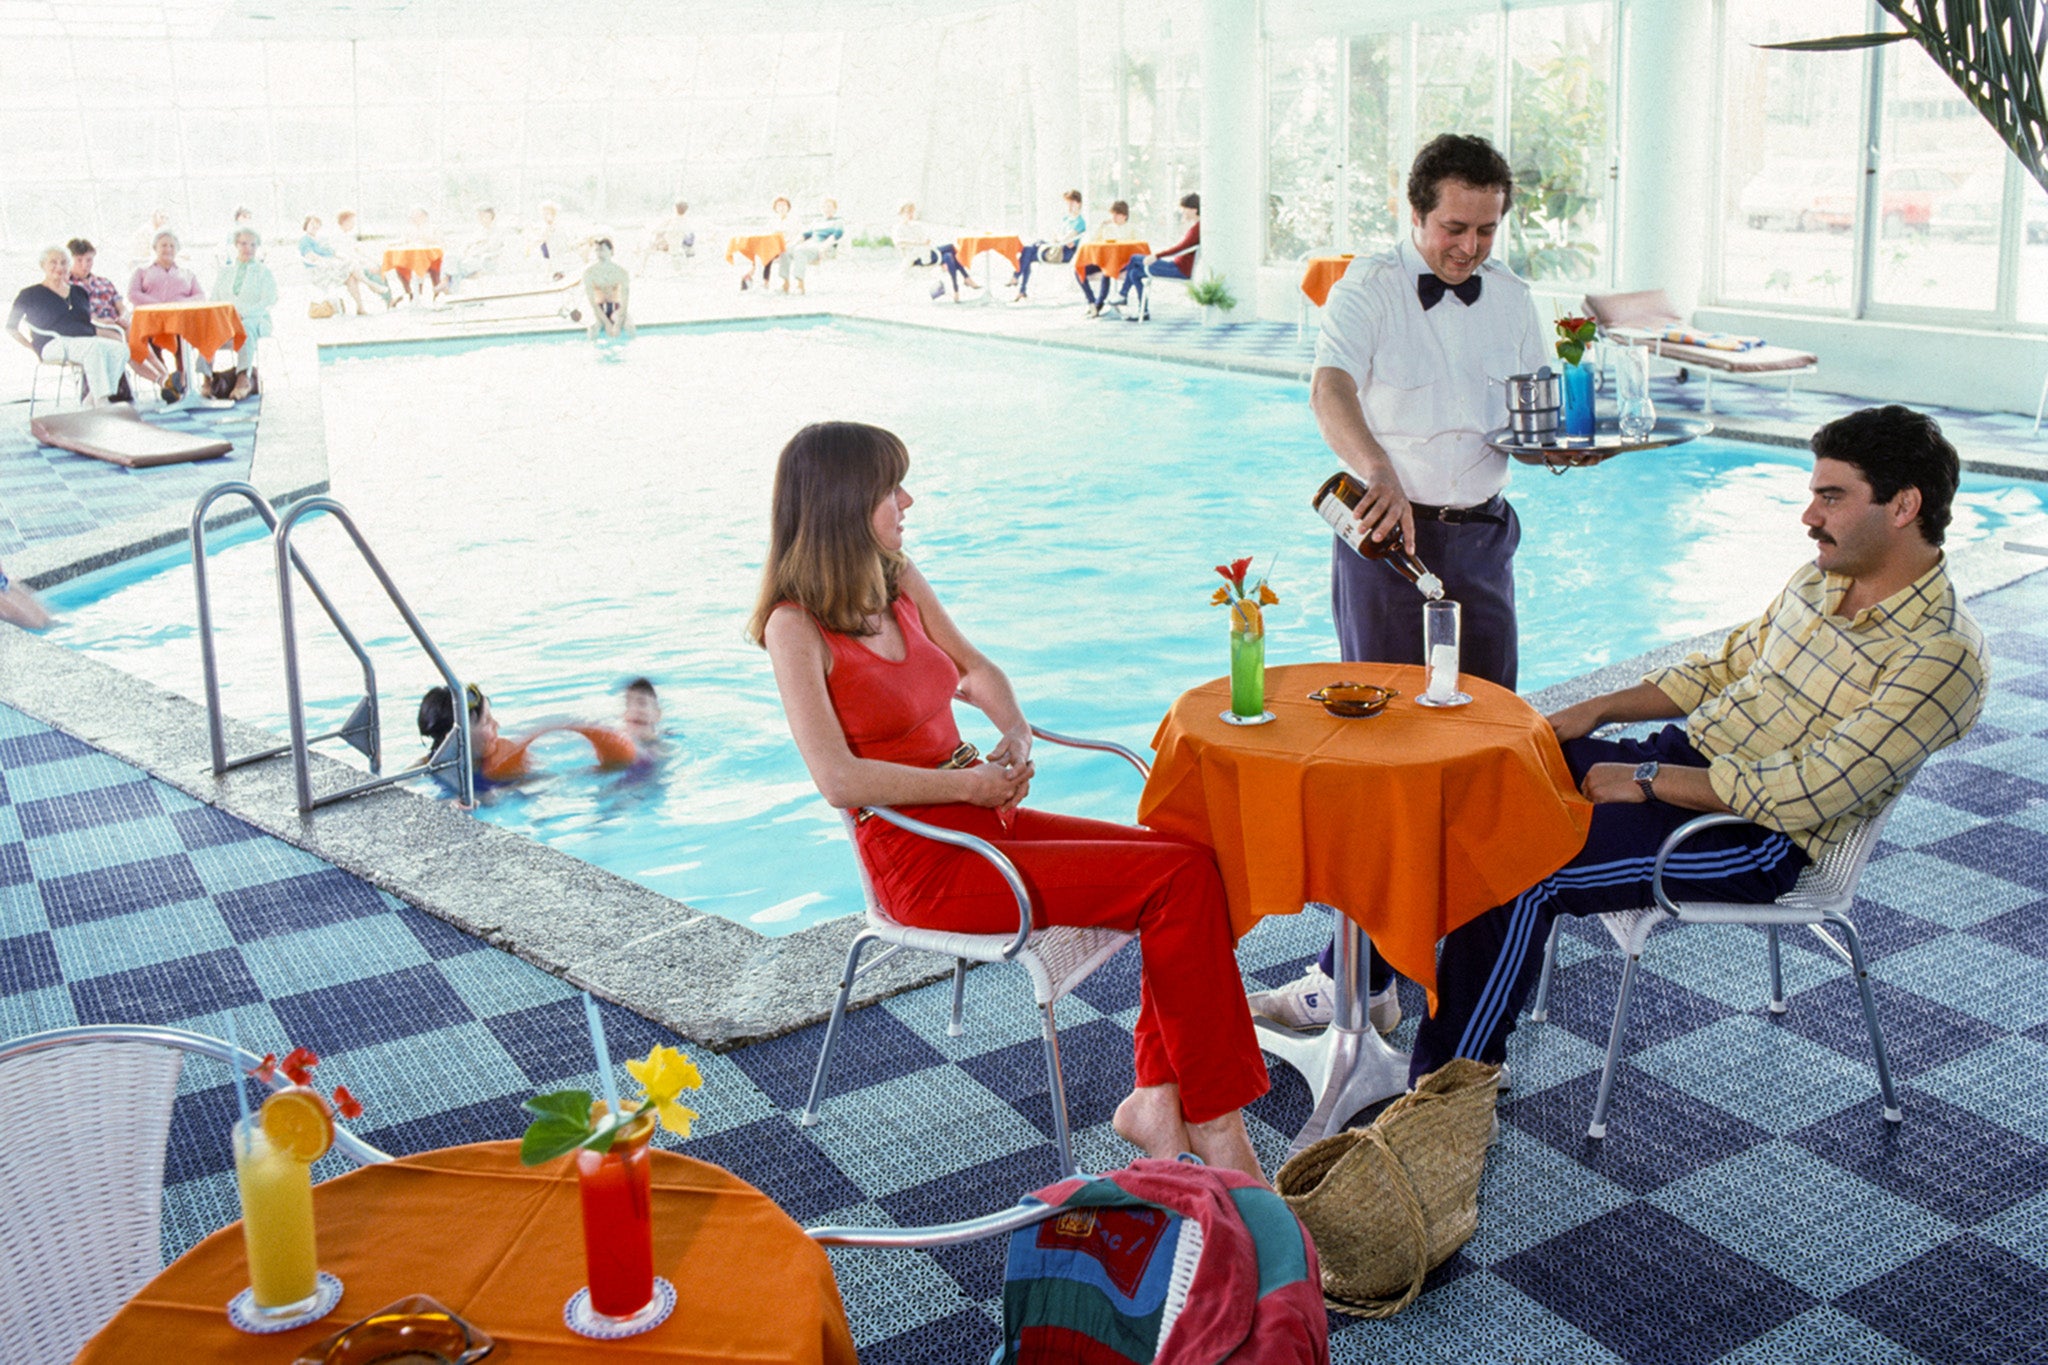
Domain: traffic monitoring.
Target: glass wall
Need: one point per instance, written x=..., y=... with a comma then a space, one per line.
x=1952, y=228
x=1141, y=112
x=1345, y=116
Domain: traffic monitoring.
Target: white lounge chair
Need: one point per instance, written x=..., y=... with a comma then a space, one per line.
x=1642, y=317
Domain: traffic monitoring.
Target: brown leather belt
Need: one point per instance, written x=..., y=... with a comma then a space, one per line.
x=1493, y=510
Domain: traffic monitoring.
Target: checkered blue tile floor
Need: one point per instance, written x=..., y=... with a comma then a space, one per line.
x=1749, y=1205
x=48, y=494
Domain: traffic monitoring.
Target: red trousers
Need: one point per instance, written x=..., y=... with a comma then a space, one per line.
x=1194, y=1027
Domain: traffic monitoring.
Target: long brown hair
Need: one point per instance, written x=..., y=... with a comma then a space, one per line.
x=822, y=551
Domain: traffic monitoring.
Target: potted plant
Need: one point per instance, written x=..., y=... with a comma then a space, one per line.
x=1213, y=295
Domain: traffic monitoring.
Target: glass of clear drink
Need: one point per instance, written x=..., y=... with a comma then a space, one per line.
x=1440, y=625
x=1634, y=413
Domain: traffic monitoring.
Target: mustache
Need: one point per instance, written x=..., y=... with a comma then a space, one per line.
x=1823, y=537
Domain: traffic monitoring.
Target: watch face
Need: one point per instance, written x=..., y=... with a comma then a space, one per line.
x=1646, y=772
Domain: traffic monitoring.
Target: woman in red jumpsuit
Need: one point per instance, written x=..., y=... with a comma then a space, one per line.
x=868, y=664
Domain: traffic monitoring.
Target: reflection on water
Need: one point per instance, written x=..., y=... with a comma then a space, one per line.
x=565, y=517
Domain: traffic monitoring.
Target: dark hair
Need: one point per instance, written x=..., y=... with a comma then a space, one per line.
x=1074, y=195
x=1455, y=156
x=78, y=246
x=822, y=551
x=1191, y=201
x=640, y=685
x=604, y=242
x=437, y=713
x=1897, y=448
x=1120, y=207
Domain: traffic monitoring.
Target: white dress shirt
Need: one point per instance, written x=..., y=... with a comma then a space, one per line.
x=1430, y=382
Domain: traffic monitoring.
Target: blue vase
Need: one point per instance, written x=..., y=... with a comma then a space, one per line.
x=1578, y=400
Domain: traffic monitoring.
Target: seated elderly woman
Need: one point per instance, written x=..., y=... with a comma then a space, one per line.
x=58, y=312
x=329, y=269
x=248, y=284
x=163, y=280
x=868, y=664
x=110, y=312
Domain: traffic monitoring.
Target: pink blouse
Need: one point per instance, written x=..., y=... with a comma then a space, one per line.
x=154, y=284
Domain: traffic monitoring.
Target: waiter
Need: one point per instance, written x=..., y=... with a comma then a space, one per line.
x=1414, y=345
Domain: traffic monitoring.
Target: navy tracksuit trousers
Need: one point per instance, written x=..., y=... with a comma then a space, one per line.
x=1486, y=968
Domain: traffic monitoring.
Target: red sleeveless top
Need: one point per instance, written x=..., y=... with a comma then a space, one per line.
x=895, y=712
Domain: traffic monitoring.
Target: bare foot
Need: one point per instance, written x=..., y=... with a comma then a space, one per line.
x=1149, y=1119
x=1223, y=1142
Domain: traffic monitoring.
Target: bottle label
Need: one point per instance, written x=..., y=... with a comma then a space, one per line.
x=1342, y=521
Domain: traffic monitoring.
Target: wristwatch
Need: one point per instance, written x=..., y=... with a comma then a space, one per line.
x=1646, y=774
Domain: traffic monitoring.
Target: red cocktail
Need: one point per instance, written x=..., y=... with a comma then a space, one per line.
x=618, y=1225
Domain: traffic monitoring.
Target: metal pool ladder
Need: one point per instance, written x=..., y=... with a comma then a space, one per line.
x=362, y=730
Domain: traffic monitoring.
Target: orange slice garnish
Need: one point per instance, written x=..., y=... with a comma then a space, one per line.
x=298, y=1123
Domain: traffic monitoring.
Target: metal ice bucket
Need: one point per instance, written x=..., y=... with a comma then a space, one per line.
x=1533, y=404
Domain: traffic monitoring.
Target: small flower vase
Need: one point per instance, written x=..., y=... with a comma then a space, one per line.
x=1578, y=400
x=1247, y=672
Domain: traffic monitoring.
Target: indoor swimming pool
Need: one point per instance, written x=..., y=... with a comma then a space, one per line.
x=565, y=518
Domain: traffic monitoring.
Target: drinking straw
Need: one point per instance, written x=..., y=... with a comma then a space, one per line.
x=604, y=1056
x=241, y=1095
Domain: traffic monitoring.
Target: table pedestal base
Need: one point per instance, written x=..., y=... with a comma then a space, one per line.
x=1347, y=1065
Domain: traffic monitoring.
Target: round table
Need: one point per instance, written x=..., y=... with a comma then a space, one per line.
x=206, y=327
x=1323, y=272
x=1108, y=257
x=413, y=260
x=501, y=1244
x=760, y=247
x=1006, y=245
x=1411, y=823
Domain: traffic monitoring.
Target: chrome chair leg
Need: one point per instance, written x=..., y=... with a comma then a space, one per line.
x=1539, y=1008
x=1598, y=1128
x=1892, y=1112
x=860, y=943
x=1057, y=1083
x=954, y=1028
x=1777, y=970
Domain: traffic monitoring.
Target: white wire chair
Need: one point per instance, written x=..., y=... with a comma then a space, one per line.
x=64, y=370
x=84, y=1115
x=1825, y=891
x=1058, y=957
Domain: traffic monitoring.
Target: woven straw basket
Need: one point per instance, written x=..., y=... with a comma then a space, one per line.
x=1389, y=1203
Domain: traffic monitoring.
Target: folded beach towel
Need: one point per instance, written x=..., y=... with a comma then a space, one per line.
x=1712, y=341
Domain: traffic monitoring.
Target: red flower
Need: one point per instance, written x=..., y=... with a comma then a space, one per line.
x=1235, y=573
x=349, y=1105
x=266, y=1069
x=298, y=1065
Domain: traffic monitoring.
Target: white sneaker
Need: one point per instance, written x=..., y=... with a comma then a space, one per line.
x=1311, y=1002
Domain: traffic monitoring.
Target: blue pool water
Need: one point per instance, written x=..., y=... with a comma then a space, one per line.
x=565, y=518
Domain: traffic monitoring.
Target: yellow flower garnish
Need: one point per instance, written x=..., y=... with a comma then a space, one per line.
x=1267, y=597
x=1222, y=596
x=666, y=1074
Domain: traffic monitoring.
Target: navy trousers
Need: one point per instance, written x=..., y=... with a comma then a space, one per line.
x=1379, y=613
x=1486, y=969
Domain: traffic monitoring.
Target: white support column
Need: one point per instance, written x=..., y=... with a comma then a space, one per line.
x=1054, y=70
x=1233, y=225
x=1664, y=198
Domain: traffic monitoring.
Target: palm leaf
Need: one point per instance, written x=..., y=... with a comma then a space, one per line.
x=1847, y=42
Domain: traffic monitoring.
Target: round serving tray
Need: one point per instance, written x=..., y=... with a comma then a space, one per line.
x=1606, y=440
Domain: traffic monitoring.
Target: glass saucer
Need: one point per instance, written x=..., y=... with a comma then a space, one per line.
x=414, y=1331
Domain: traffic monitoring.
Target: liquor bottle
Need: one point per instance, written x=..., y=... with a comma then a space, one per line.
x=1337, y=501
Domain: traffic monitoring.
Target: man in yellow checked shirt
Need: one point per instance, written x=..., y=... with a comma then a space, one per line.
x=1807, y=718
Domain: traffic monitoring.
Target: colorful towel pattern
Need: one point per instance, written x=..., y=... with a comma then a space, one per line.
x=1712, y=341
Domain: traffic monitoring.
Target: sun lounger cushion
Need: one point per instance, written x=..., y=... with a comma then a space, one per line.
x=1755, y=360
x=1650, y=314
x=117, y=435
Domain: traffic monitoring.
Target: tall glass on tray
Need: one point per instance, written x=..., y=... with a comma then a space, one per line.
x=1634, y=413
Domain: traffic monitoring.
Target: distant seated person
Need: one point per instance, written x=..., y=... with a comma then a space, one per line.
x=349, y=243
x=18, y=606
x=1804, y=722
x=555, y=241
x=498, y=759
x=671, y=236
x=163, y=280
x=778, y=222
x=110, y=311
x=610, y=290
x=248, y=284
x=144, y=246
x=60, y=329
x=1055, y=250
x=1177, y=262
x=419, y=232
x=820, y=237
x=329, y=269
x=244, y=218
x=1117, y=229
x=915, y=245
x=481, y=254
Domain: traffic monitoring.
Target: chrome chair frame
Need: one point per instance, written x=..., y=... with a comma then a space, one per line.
x=1058, y=957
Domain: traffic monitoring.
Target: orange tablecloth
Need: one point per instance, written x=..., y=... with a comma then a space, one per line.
x=1413, y=822
x=1108, y=257
x=1010, y=249
x=760, y=248
x=207, y=327
x=417, y=260
x=502, y=1245
x=1322, y=272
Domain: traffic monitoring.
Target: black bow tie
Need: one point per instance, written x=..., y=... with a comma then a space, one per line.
x=1430, y=290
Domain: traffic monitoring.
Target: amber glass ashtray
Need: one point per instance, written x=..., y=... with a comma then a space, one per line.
x=1353, y=701
x=414, y=1331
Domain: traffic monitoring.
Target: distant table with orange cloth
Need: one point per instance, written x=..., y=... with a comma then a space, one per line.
x=502, y=1245
x=760, y=248
x=205, y=327
x=1108, y=257
x=413, y=260
x=1009, y=247
x=1322, y=273
x=1410, y=823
